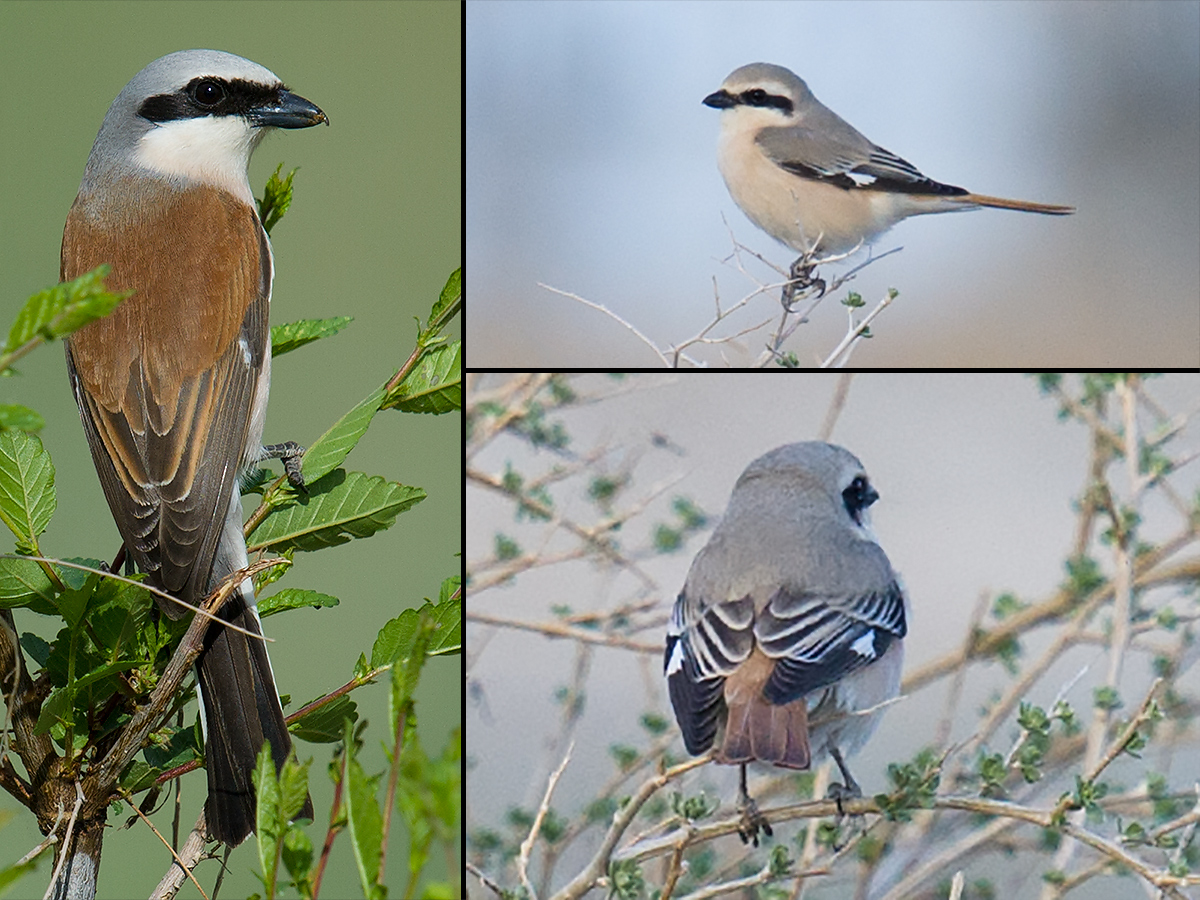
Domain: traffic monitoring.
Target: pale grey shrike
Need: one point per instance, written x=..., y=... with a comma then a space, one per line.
x=787, y=639
x=806, y=177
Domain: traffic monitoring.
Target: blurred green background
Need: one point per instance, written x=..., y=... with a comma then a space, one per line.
x=373, y=232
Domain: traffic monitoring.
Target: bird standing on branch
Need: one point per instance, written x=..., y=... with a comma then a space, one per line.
x=787, y=638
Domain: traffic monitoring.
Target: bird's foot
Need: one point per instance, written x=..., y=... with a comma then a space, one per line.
x=752, y=822
x=290, y=454
x=839, y=792
x=800, y=279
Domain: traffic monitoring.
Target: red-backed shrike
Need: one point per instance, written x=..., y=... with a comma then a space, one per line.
x=788, y=633
x=172, y=386
x=808, y=178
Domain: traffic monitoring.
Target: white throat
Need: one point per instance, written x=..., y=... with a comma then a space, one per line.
x=206, y=150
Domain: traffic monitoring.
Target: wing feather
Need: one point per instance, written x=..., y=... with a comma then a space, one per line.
x=817, y=640
x=166, y=383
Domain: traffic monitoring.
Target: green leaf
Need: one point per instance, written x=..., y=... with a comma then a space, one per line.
x=292, y=335
x=1106, y=698
x=138, y=776
x=298, y=857
x=73, y=701
x=278, y=801
x=76, y=578
x=73, y=602
x=57, y=710
x=433, y=386
x=276, y=198
x=39, y=649
x=447, y=628
x=21, y=418
x=23, y=581
x=324, y=724
x=448, y=303
x=413, y=800
x=66, y=652
x=293, y=788
x=104, y=671
x=398, y=639
x=447, y=619
x=27, y=497
x=338, y=507
x=362, y=668
x=428, y=795
x=182, y=747
x=406, y=673
x=327, y=453
x=66, y=307
x=120, y=620
x=364, y=821
x=267, y=825
x=10, y=875
x=293, y=598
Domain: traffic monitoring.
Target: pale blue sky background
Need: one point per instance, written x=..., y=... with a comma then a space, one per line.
x=592, y=167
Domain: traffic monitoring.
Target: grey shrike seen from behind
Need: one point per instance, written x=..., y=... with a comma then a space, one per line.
x=172, y=386
x=787, y=638
x=806, y=177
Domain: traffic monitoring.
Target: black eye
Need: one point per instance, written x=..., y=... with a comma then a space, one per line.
x=208, y=93
x=858, y=496
x=757, y=97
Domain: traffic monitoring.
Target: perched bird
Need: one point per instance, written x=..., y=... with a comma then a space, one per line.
x=786, y=640
x=805, y=176
x=172, y=386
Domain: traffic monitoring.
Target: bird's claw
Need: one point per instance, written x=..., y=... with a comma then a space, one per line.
x=290, y=454
x=838, y=792
x=752, y=822
x=801, y=278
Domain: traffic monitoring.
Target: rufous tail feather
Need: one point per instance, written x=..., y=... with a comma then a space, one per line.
x=1048, y=209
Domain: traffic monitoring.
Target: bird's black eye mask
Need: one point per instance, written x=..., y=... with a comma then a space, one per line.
x=858, y=496
x=208, y=95
x=759, y=97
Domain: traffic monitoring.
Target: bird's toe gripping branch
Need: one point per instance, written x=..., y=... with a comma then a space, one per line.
x=801, y=278
x=290, y=454
x=753, y=821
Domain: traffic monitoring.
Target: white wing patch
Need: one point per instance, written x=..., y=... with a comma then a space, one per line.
x=675, y=663
x=865, y=645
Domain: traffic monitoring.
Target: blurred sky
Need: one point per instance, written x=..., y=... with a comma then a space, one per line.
x=976, y=476
x=592, y=167
x=373, y=232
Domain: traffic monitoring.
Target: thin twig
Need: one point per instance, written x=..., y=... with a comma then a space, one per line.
x=527, y=844
x=187, y=869
x=855, y=333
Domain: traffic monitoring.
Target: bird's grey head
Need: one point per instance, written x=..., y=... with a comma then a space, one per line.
x=812, y=475
x=194, y=117
x=770, y=92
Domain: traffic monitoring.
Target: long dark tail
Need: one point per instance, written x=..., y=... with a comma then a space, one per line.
x=241, y=710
